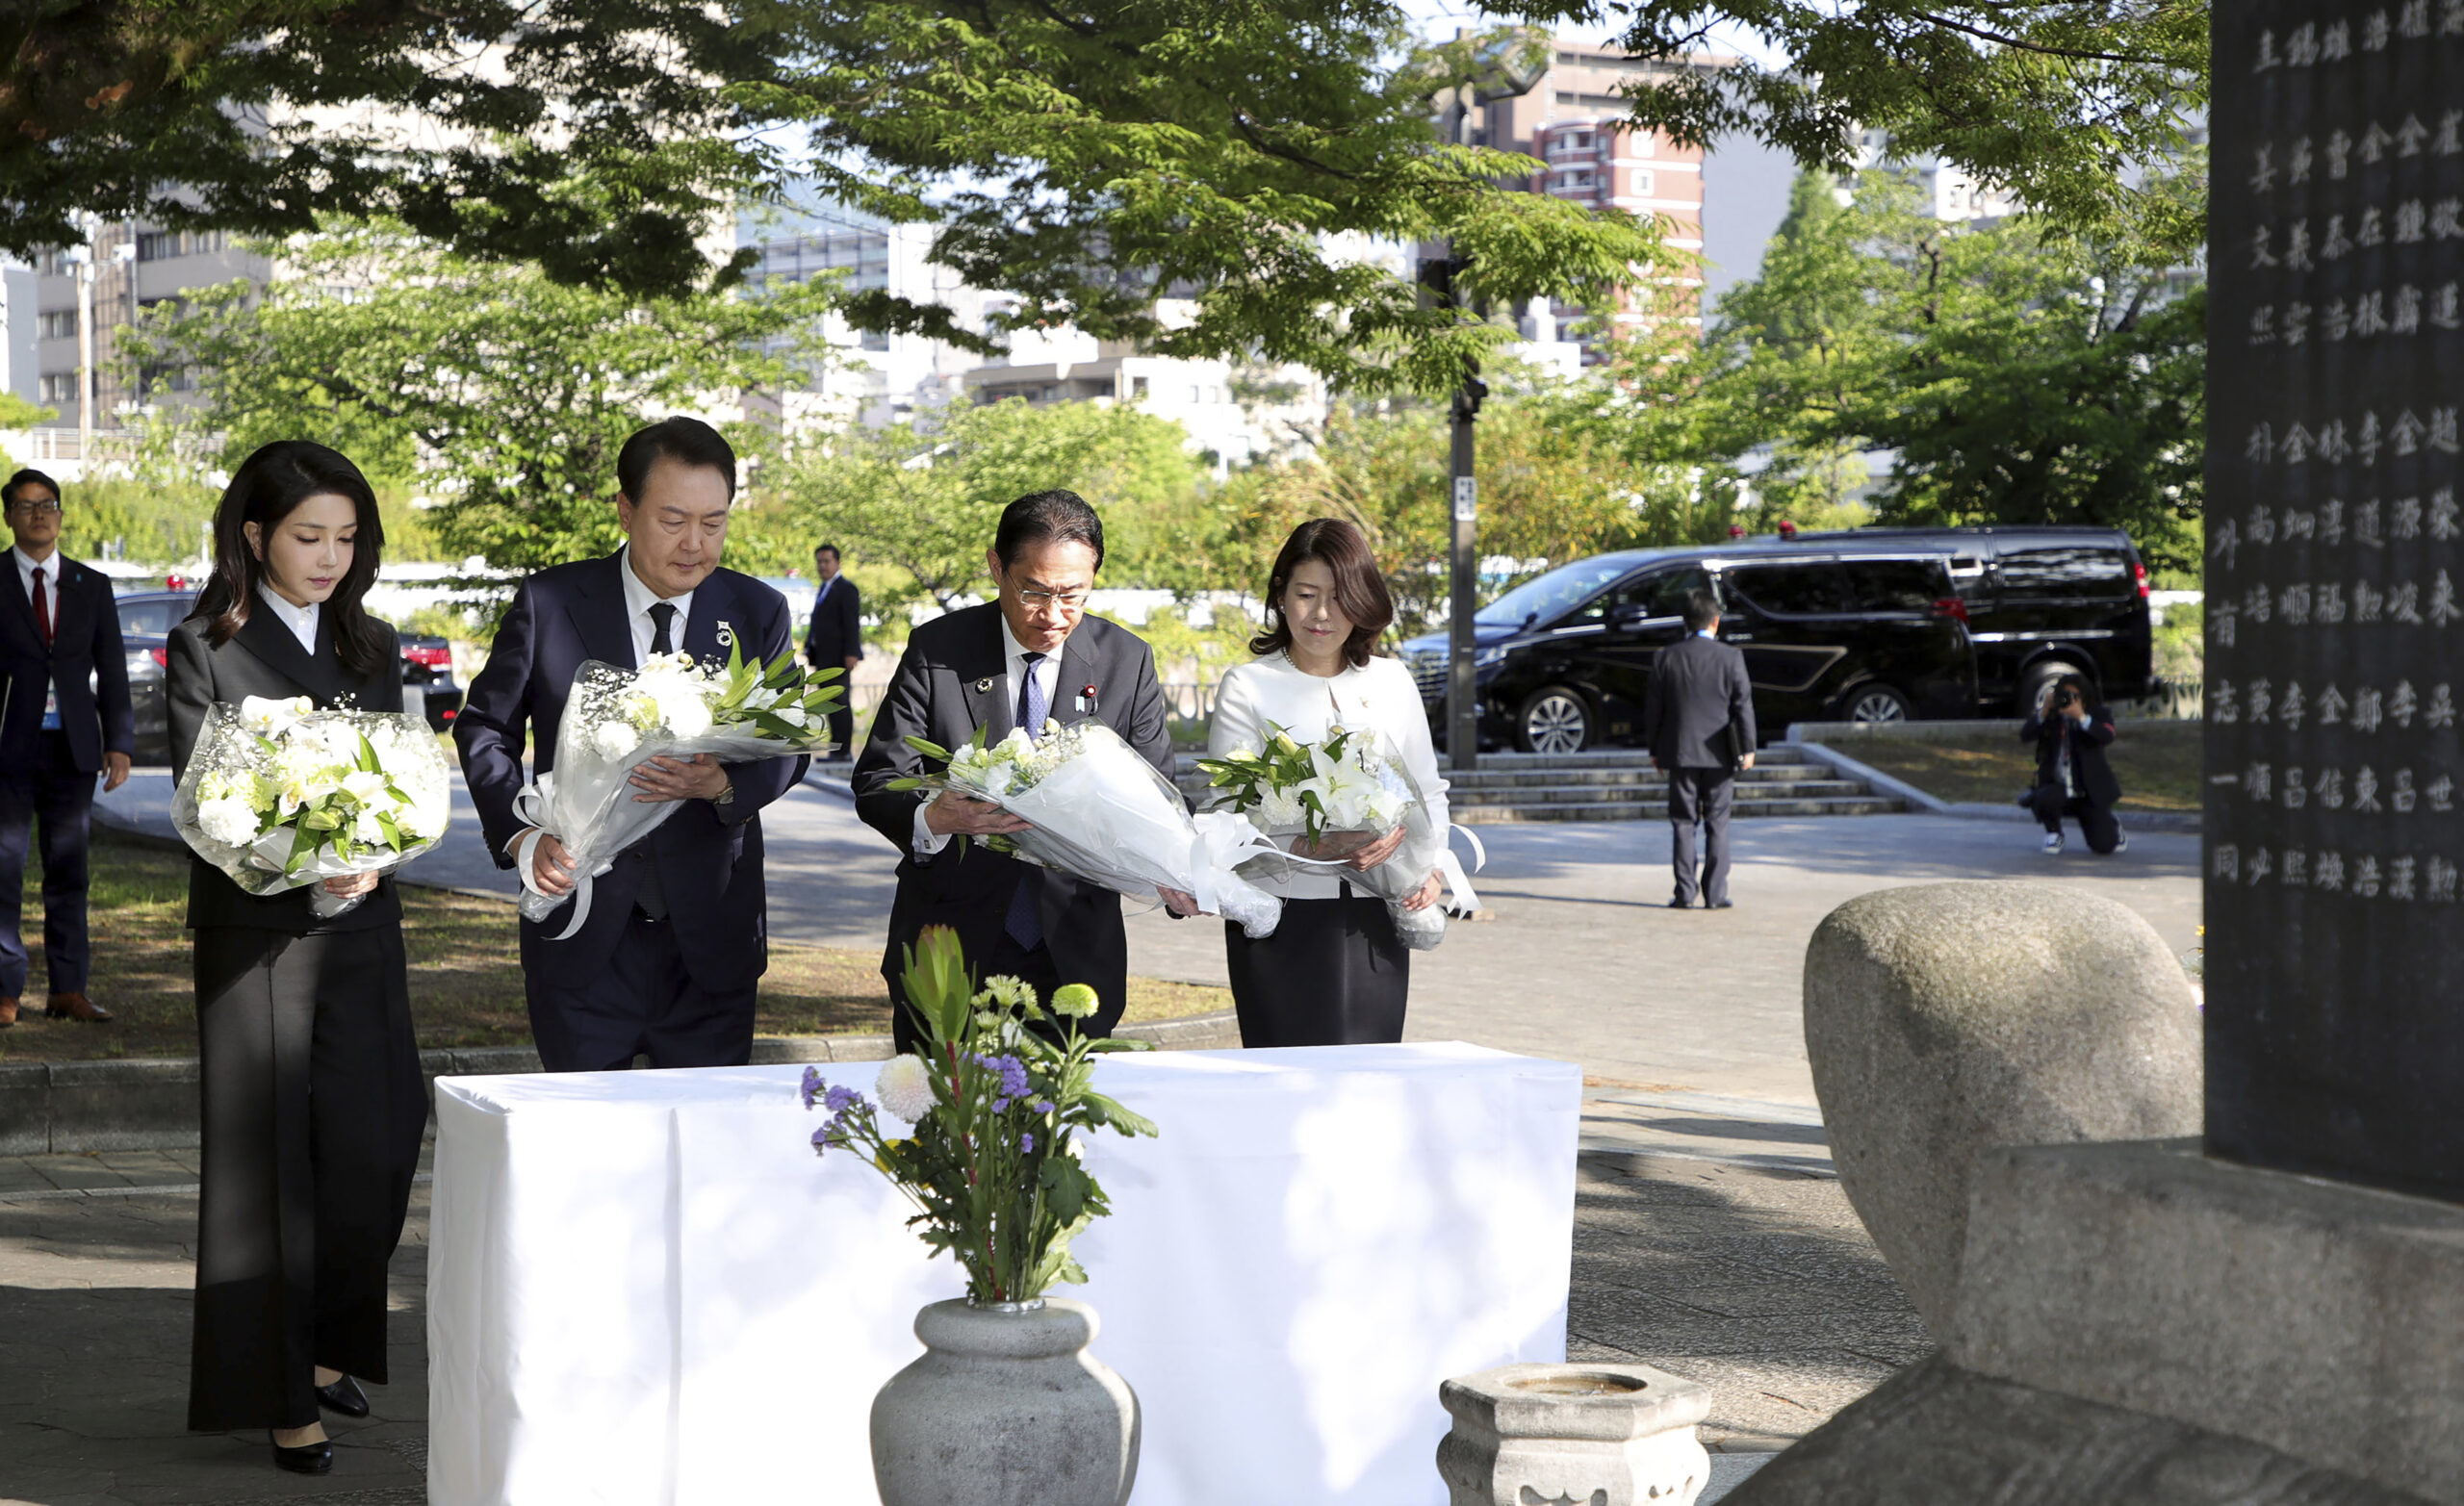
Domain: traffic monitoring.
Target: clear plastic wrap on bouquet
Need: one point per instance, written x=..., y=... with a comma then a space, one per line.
x=1099, y=811
x=618, y=719
x=1281, y=817
x=279, y=796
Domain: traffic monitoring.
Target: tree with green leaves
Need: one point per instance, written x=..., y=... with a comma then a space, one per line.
x=2068, y=105
x=924, y=500
x=2018, y=376
x=504, y=393
x=15, y=413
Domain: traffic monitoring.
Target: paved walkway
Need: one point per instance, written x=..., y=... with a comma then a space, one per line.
x=1759, y=1284
x=1582, y=962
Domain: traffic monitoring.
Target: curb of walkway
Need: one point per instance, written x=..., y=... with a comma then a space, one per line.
x=68, y=1107
x=1850, y=768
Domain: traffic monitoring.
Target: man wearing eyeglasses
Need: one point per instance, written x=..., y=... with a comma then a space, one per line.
x=1029, y=656
x=65, y=716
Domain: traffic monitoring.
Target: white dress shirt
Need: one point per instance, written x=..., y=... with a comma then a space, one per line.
x=300, y=620
x=27, y=565
x=1013, y=661
x=1257, y=697
x=639, y=598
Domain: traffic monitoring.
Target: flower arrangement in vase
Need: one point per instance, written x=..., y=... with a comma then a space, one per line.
x=1005, y=1407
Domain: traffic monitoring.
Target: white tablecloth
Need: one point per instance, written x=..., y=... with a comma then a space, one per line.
x=644, y=1288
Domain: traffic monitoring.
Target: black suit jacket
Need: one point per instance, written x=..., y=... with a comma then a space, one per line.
x=1698, y=687
x=836, y=631
x=2089, y=770
x=84, y=662
x=949, y=683
x=708, y=854
x=264, y=658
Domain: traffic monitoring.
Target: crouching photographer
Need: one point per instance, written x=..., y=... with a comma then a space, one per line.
x=2071, y=730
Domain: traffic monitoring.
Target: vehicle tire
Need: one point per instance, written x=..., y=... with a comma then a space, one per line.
x=2044, y=673
x=1554, y=719
x=1875, y=701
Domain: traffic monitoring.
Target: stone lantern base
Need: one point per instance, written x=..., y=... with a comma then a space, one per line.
x=1572, y=1435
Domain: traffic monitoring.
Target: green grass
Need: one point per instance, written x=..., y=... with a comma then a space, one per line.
x=465, y=976
x=2157, y=762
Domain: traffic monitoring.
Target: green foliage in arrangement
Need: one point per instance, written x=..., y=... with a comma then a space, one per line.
x=502, y=390
x=996, y=1098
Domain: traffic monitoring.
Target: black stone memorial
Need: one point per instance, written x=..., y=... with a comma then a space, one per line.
x=2335, y=592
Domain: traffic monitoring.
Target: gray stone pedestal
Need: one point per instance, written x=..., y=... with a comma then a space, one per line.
x=2137, y=1323
x=1572, y=1435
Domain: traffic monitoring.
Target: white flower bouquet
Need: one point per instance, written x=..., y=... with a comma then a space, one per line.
x=279, y=795
x=1342, y=793
x=1099, y=811
x=618, y=719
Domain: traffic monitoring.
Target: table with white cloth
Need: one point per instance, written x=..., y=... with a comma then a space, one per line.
x=645, y=1287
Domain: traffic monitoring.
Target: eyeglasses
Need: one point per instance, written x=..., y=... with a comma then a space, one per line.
x=36, y=507
x=1067, y=600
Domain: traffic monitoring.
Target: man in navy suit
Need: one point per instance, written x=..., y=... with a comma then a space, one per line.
x=677, y=940
x=67, y=718
x=835, y=639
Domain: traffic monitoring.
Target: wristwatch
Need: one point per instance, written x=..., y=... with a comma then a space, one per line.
x=725, y=797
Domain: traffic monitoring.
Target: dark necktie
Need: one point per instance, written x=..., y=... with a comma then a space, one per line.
x=652, y=897
x=43, y=606
x=1021, y=922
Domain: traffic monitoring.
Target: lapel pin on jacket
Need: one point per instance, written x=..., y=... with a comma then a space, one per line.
x=984, y=686
x=726, y=633
x=1087, y=700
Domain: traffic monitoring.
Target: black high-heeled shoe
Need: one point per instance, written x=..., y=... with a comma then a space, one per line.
x=344, y=1396
x=317, y=1457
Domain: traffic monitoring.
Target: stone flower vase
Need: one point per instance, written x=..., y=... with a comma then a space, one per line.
x=1006, y=1407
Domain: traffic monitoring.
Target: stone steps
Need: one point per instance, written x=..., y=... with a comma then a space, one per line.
x=1620, y=785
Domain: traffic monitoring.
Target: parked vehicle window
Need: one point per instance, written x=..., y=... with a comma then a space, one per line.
x=145, y=617
x=1842, y=587
x=1663, y=595
x=2066, y=572
x=1545, y=597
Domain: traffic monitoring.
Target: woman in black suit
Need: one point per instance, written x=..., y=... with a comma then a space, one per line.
x=2071, y=731
x=313, y=1102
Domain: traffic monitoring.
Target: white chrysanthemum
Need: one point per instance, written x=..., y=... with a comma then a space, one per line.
x=365, y=787
x=229, y=821
x=904, y=1088
x=615, y=739
x=680, y=707
x=366, y=831
x=1281, y=809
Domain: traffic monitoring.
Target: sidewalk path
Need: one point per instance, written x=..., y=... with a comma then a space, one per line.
x=1759, y=1284
x=1583, y=962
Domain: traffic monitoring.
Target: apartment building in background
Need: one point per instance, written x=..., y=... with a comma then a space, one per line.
x=126, y=268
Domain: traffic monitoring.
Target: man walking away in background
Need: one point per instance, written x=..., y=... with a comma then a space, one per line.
x=65, y=716
x=1698, y=720
x=835, y=641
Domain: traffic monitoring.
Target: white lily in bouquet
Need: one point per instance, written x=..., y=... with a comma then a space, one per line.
x=279, y=795
x=674, y=706
x=1098, y=810
x=1336, y=797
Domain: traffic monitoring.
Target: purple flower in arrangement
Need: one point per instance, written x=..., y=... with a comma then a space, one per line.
x=821, y=1140
x=1043, y=1106
x=812, y=1086
x=1027, y=1143
x=841, y=1101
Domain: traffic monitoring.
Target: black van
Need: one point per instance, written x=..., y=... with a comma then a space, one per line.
x=2043, y=602
x=1831, y=629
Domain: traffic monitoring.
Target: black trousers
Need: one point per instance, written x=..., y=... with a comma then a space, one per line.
x=313, y=1113
x=842, y=726
x=1705, y=796
x=2097, y=822
x=1333, y=974
x=643, y=1003
x=60, y=798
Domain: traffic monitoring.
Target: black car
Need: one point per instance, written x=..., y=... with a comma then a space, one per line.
x=2043, y=602
x=146, y=621
x=1871, y=632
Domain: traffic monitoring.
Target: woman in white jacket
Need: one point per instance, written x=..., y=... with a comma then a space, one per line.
x=1333, y=973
